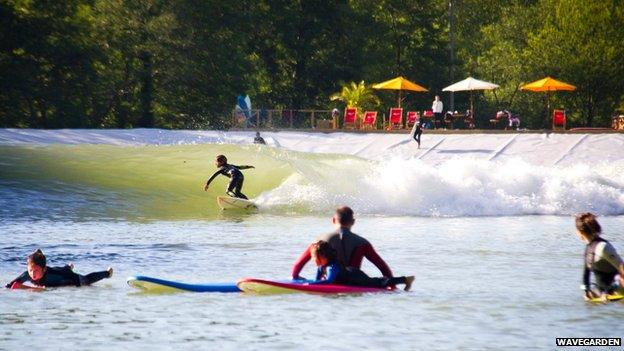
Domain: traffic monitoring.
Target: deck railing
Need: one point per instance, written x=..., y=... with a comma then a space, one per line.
x=284, y=119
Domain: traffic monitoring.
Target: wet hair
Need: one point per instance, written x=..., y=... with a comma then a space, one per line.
x=221, y=159
x=587, y=224
x=344, y=214
x=322, y=248
x=38, y=258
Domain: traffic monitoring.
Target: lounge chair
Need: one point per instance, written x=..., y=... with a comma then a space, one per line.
x=370, y=117
x=413, y=117
x=396, y=118
x=559, y=120
x=350, y=117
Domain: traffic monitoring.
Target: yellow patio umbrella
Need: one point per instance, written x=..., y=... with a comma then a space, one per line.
x=400, y=84
x=548, y=84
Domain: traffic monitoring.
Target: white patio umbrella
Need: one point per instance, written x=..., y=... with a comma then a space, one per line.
x=471, y=84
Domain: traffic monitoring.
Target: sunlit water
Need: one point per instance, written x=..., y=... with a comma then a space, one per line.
x=492, y=246
x=482, y=283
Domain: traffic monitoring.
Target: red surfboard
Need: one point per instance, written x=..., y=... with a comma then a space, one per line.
x=268, y=287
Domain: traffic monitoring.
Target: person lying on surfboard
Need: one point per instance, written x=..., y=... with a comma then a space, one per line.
x=350, y=247
x=231, y=171
x=601, y=258
x=43, y=276
x=331, y=271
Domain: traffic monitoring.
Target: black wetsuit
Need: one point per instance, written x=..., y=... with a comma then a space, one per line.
x=61, y=276
x=236, y=179
x=336, y=273
x=602, y=260
x=417, y=132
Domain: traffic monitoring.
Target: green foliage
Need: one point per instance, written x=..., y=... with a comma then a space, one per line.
x=357, y=95
x=576, y=41
x=181, y=63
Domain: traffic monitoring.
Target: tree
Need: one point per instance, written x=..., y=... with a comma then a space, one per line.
x=356, y=95
x=48, y=64
x=581, y=42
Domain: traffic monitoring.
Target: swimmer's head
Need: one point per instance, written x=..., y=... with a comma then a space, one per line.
x=344, y=217
x=220, y=160
x=322, y=253
x=36, y=263
x=587, y=226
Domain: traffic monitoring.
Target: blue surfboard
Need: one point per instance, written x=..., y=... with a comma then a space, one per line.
x=155, y=285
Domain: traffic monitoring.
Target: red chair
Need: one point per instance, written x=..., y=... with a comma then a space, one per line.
x=413, y=117
x=370, y=117
x=559, y=120
x=350, y=117
x=428, y=113
x=396, y=117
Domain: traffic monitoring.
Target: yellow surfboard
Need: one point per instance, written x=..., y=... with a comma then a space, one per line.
x=614, y=297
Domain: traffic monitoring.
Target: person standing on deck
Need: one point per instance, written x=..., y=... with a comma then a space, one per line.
x=437, y=107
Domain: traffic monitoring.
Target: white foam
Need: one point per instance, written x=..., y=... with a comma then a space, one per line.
x=538, y=149
x=456, y=187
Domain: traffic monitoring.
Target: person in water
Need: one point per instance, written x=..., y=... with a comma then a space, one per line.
x=258, y=139
x=232, y=172
x=39, y=274
x=331, y=271
x=601, y=259
x=350, y=247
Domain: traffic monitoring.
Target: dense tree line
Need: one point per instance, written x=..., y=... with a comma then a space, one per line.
x=181, y=63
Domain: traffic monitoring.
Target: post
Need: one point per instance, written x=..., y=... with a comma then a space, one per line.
x=312, y=120
x=290, y=112
x=451, y=49
x=271, y=118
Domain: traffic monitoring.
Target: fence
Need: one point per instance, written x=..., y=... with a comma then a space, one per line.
x=323, y=119
x=285, y=119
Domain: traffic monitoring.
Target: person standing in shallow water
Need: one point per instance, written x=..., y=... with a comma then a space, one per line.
x=601, y=259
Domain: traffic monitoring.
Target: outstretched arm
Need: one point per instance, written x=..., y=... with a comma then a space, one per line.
x=211, y=178
x=24, y=277
x=245, y=167
x=300, y=263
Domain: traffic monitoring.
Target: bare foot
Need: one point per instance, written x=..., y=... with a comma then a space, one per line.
x=408, y=282
x=110, y=271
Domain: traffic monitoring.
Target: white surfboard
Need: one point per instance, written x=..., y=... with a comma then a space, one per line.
x=234, y=203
